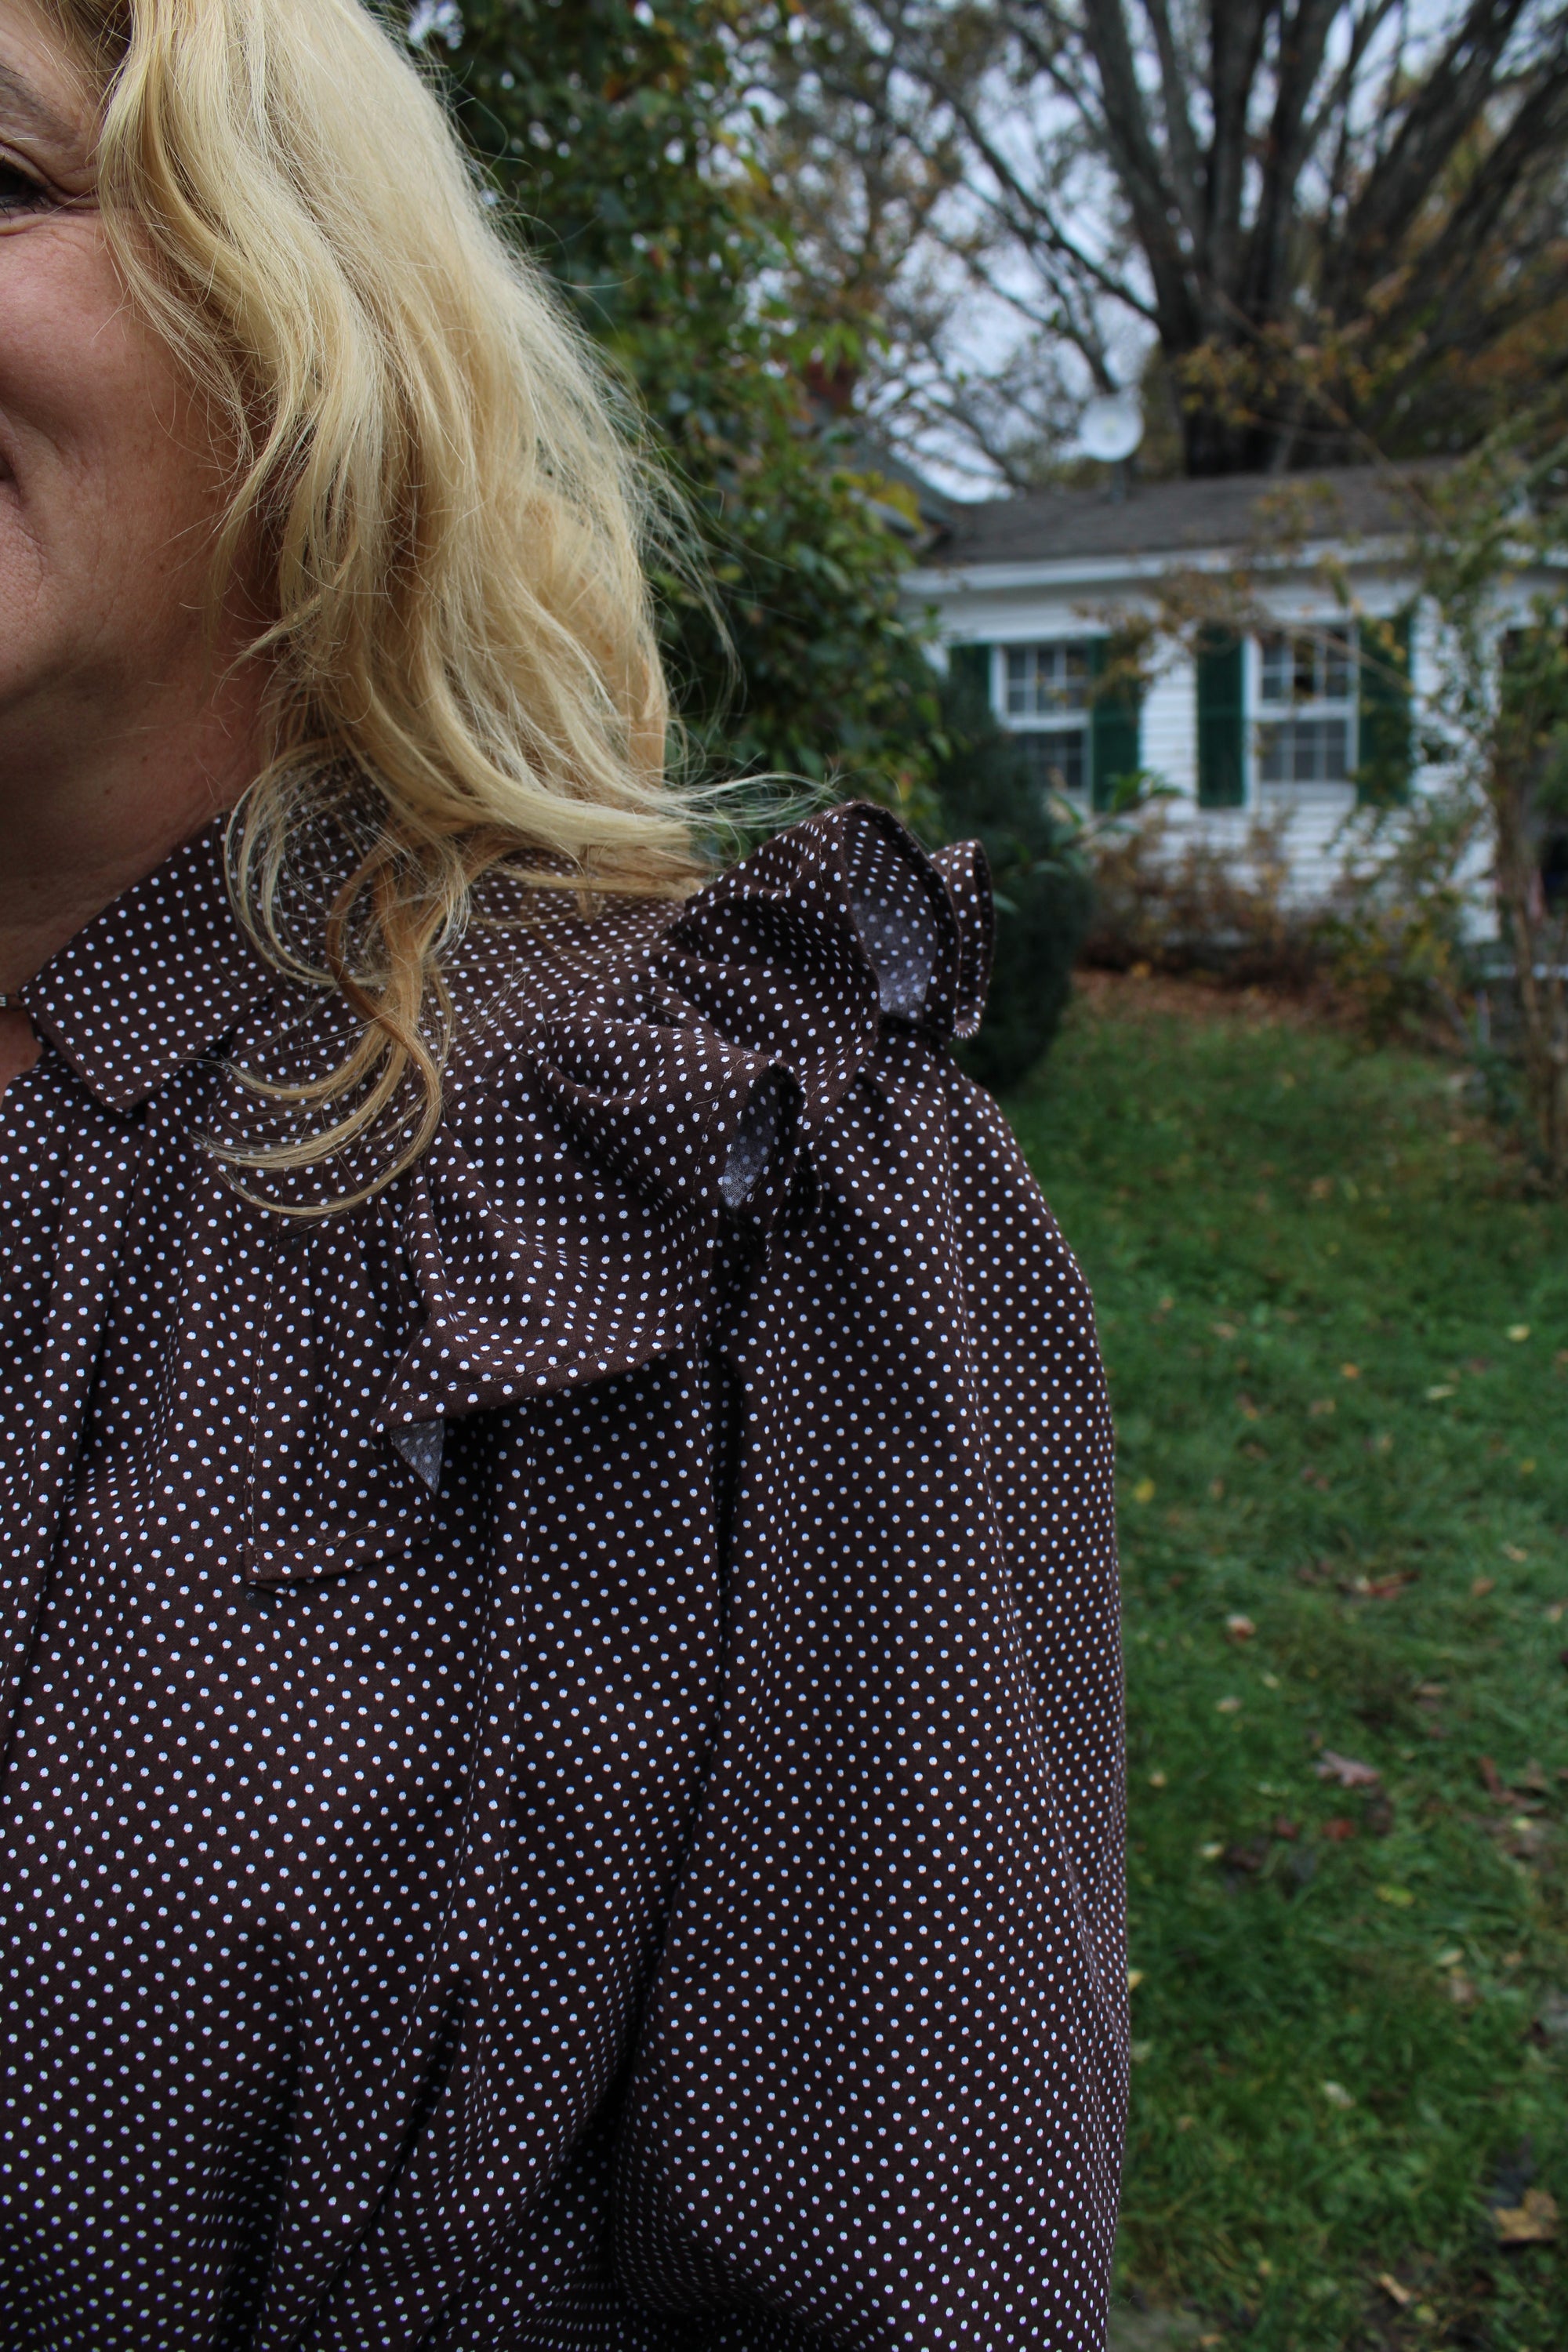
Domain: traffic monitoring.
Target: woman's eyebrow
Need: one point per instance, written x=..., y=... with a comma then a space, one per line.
x=20, y=101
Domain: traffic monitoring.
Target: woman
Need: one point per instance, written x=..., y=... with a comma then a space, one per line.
x=563, y=1780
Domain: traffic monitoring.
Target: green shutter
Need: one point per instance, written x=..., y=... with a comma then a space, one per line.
x=1114, y=744
x=1385, y=755
x=969, y=667
x=1222, y=718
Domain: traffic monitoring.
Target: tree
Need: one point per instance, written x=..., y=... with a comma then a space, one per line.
x=1503, y=709
x=1339, y=224
x=621, y=143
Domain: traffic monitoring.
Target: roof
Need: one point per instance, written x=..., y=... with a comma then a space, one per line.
x=1165, y=518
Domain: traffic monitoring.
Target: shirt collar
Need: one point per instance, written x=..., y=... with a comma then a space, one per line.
x=152, y=981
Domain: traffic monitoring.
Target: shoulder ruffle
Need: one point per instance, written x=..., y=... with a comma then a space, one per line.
x=597, y=1157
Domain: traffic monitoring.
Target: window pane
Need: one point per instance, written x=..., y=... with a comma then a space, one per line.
x=1336, y=750
x=1274, y=755
x=1276, y=682
x=1304, y=669
x=1044, y=679
x=1057, y=757
x=1336, y=683
x=1305, y=751
x=1074, y=677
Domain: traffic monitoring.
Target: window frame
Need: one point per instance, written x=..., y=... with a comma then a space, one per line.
x=1319, y=709
x=1078, y=721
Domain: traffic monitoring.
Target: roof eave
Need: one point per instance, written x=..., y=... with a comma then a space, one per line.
x=1066, y=572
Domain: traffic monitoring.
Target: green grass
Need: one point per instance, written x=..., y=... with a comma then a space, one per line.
x=1333, y=1326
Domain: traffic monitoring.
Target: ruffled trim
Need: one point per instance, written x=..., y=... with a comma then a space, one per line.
x=567, y=1223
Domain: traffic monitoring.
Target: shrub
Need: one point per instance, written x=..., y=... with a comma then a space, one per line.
x=1186, y=906
x=1043, y=893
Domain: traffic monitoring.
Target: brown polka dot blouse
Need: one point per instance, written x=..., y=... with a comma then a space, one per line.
x=564, y=1783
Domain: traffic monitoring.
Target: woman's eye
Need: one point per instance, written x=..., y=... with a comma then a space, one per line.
x=18, y=194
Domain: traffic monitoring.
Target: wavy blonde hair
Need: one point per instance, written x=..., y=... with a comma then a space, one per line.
x=451, y=503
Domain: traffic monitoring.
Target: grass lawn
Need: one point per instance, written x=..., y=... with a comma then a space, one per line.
x=1337, y=1337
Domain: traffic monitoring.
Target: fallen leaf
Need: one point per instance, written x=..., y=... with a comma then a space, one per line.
x=1449, y=1958
x=1533, y=1779
x=1337, y=2096
x=1145, y=1491
x=1496, y=1788
x=1216, y=1490
x=1378, y=1588
x=1270, y=1682
x=1399, y=1896
x=1281, y=1826
x=1134, y=1979
x=1227, y=1706
x=1430, y=1692
x=1350, y=1371
x=1517, y=1331
x=1532, y=2223
x=1225, y=1330
x=1438, y=1390
x=1323, y=1405
x=1512, y=1551
x=1481, y=1586
x=1526, y=1467
x=1246, y=1407
x=1346, y=1770
x=1212, y=1850
x=1238, y=1628
x=1139, y=2051
x=1184, y=2124
x=1402, y=2295
x=1461, y=1992
x=1339, y=1831
x=1555, y=1614
x=1156, y=1779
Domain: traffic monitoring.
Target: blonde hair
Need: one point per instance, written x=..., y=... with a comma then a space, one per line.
x=451, y=503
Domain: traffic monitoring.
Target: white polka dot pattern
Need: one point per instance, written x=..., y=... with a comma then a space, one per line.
x=563, y=1787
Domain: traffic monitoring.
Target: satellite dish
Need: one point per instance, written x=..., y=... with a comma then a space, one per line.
x=1111, y=427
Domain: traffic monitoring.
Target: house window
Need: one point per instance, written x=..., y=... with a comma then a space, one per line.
x=1045, y=703
x=1044, y=681
x=1306, y=707
x=1058, y=757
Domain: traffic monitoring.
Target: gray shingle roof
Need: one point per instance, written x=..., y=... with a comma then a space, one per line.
x=1165, y=518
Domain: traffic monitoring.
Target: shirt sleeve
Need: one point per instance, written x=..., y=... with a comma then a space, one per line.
x=878, y=2095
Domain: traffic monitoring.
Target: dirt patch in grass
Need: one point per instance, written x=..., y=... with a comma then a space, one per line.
x=1142, y=993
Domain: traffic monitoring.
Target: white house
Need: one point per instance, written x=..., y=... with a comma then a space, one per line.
x=1309, y=710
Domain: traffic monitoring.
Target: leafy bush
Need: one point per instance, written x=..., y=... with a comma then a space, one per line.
x=1191, y=906
x=1043, y=893
x=621, y=147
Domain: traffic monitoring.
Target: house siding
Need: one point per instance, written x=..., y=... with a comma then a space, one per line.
x=1309, y=821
